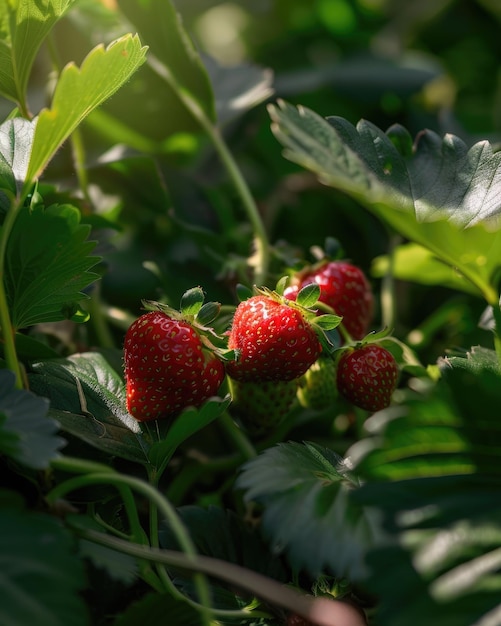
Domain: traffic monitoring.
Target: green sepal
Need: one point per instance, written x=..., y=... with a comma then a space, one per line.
x=192, y=301
x=208, y=313
x=308, y=295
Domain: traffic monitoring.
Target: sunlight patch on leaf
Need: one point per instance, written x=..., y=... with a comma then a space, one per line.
x=23, y=28
x=435, y=191
x=430, y=467
x=79, y=91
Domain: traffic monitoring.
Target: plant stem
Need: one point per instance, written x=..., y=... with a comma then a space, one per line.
x=8, y=332
x=242, y=443
x=496, y=309
x=160, y=504
x=387, y=296
x=262, y=253
x=324, y=612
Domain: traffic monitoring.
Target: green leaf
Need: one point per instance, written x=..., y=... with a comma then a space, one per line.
x=430, y=467
x=119, y=566
x=47, y=265
x=23, y=28
x=88, y=399
x=238, y=88
x=152, y=608
x=327, y=321
x=78, y=92
x=16, y=138
x=208, y=313
x=304, y=490
x=442, y=196
x=415, y=263
x=222, y=535
x=161, y=27
x=27, y=434
x=308, y=296
x=184, y=426
x=40, y=575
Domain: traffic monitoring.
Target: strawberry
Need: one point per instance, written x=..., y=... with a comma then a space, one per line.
x=317, y=388
x=367, y=376
x=274, y=340
x=344, y=288
x=262, y=406
x=167, y=367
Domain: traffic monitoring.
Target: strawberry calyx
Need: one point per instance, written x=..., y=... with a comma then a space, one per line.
x=200, y=315
x=306, y=300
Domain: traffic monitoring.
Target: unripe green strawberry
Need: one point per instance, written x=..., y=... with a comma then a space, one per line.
x=317, y=388
x=367, y=376
x=274, y=339
x=167, y=366
x=262, y=406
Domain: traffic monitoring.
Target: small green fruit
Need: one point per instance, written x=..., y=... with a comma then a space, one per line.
x=317, y=388
x=262, y=406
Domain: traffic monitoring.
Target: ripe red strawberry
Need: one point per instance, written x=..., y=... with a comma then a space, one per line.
x=262, y=406
x=167, y=368
x=367, y=376
x=274, y=340
x=343, y=287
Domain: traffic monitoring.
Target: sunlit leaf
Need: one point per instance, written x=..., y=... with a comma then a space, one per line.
x=435, y=191
x=430, y=467
x=80, y=90
x=23, y=28
x=88, y=400
x=417, y=264
x=16, y=137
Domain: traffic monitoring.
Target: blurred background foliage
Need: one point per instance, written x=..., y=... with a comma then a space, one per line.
x=163, y=211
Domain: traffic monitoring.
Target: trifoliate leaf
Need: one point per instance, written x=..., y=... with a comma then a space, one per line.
x=304, y=490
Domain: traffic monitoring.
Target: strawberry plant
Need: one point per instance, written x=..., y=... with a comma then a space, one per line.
x=250, y=341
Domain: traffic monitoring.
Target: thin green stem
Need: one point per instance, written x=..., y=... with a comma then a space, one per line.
x=78, y=151
x=237, y=436
x=160, y=504
x=8, y=332
x=261, y=260
x=324, y=612
x=387, y=296
x=497, y=330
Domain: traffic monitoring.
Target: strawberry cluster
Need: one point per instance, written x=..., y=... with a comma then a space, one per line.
x=278, y=351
